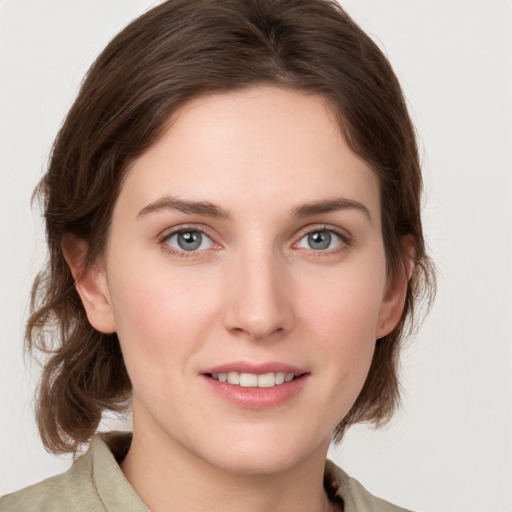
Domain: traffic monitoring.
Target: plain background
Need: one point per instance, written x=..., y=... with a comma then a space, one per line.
x=450, y=447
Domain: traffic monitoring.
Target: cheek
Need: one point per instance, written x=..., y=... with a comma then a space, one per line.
x=161, y=317
x=341, y=316
x=345, y=303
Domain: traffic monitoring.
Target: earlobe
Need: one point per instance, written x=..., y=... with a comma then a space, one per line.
x=91, y=284
x=393, y=302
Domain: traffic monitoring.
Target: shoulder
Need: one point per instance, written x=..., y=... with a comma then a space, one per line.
x=94, y=483
x=355, y=497
x=58, y=493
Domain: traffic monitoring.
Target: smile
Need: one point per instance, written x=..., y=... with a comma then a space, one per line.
x=253, y=380
x=256, y=385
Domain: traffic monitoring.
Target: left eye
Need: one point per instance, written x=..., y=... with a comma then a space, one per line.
x=320, y=240
x=189, y=240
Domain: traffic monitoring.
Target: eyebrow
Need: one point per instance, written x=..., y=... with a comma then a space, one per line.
x=329, y=205
x=209, y=209
x=184, y=206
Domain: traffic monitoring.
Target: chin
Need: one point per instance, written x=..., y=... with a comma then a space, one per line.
x=265, y=451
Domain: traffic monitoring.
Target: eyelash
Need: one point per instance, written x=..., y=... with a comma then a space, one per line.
x=163, y=241
x=345, y=241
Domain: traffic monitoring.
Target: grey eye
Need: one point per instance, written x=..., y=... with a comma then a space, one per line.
x=189, y=241
x=320, y=240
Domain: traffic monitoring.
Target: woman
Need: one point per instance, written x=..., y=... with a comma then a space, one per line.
x=232, y=213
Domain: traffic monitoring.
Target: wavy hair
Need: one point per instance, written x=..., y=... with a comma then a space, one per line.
x=176, y=52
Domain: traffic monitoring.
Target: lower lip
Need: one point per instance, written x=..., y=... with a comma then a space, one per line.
x=257, y=398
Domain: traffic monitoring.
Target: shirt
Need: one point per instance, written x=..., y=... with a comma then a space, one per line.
x=95, y=483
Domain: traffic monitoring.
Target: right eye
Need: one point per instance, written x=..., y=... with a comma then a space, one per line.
x=188, y=240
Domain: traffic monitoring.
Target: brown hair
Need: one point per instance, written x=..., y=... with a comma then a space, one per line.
x=173, y=53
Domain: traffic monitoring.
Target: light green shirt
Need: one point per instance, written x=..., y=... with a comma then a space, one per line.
x=95, y=483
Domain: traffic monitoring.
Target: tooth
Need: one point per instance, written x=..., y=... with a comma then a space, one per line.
x=234, y=378
x=251, y=380
x=248, y=380
x=266, y=380
x=280, y=378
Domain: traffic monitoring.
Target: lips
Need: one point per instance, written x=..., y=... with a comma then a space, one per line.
x=256, y=386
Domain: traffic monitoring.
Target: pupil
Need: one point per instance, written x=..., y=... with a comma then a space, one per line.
x=189, y=240
x=319, y=240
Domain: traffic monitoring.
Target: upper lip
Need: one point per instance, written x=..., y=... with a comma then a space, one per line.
x=255, y=368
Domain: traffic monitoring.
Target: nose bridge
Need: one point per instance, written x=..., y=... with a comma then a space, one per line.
x=258, y=298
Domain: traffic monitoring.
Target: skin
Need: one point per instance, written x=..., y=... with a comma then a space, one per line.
x=255, y=291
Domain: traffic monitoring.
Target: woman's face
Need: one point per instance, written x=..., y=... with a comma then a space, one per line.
x=246, y=246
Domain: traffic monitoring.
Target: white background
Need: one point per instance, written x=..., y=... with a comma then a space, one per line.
x=450, y=447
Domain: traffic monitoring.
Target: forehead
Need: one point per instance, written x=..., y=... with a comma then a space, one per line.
x=250, y=147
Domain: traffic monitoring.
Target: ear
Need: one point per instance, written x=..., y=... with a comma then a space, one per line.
x=91, y=284
x=393, y=302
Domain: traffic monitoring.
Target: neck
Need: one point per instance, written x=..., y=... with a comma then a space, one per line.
x=167, y=476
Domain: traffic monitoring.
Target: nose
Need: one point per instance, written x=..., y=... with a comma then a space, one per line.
x=259, y=297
